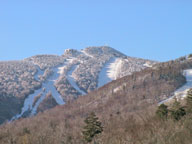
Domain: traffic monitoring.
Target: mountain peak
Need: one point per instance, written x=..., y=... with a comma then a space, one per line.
x=103, y=50
x=66, y=77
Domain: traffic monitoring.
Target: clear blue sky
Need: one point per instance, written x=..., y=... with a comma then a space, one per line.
x=157, y=29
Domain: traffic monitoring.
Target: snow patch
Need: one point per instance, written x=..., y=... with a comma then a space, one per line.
x=61, y=68
x=48, y=85
x=38, y=73
x=109, y=71
x=71, y=79
x=87, y=54
x=147, y=65
x=34, y=109
x=115, y=69
x=181, y=93
x=28, y=103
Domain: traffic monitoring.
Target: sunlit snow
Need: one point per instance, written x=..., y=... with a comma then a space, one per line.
x=87, y=54
x=108, y=72
x=72, y=80
x=39, y=72
x=147, y=65
x=182, y=92
x=47, y=86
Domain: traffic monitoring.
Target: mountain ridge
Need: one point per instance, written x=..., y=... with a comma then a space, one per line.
x=125, y=106
x=66, y=77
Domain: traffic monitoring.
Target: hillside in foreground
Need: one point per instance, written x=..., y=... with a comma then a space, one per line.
x=126, y=107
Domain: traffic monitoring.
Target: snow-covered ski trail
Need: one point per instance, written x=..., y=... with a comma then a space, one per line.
x=47, y=86
x=108, y=72
x=87, y=54
x=182, y=91
x=72, y=81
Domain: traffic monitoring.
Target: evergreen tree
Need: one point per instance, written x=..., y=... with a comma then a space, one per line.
x=177, y=111
x=93, y=127
x=178, y=114
x=162, y=111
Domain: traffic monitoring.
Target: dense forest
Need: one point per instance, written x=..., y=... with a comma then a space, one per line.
x=126, y=108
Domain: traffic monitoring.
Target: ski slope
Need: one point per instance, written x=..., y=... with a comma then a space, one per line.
x=108, y=72
x=181, y=93
x=39, y=72
x=87, y=54
x=115, y=69
x=72, y=81
x=47, y=86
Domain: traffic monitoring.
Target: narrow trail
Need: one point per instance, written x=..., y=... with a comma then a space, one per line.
x=87, y=54
x=39, y=72
x=47, y=86
x=72, y=81
x=107, y=73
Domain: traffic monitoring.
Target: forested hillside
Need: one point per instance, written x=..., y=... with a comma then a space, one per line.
x=126, y=108
x=41, y=82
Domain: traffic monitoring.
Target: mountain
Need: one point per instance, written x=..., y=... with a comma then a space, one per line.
x=126, y=108
x=41, y=82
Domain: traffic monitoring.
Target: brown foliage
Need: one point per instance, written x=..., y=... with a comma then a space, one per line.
x=125, y=107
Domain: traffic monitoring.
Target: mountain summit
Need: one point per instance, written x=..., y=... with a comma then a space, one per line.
x=44, y=81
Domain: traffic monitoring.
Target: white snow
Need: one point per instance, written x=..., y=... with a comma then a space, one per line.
x=61, y=68
x=181, y=93
x=109, y=72
x=34, y=109
x=147, y=65
x=71, y=79
x=87, y=54
x=47, y=86
x=70, y=76
x=27, y=104
x=115, y=69
x=39, y=72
